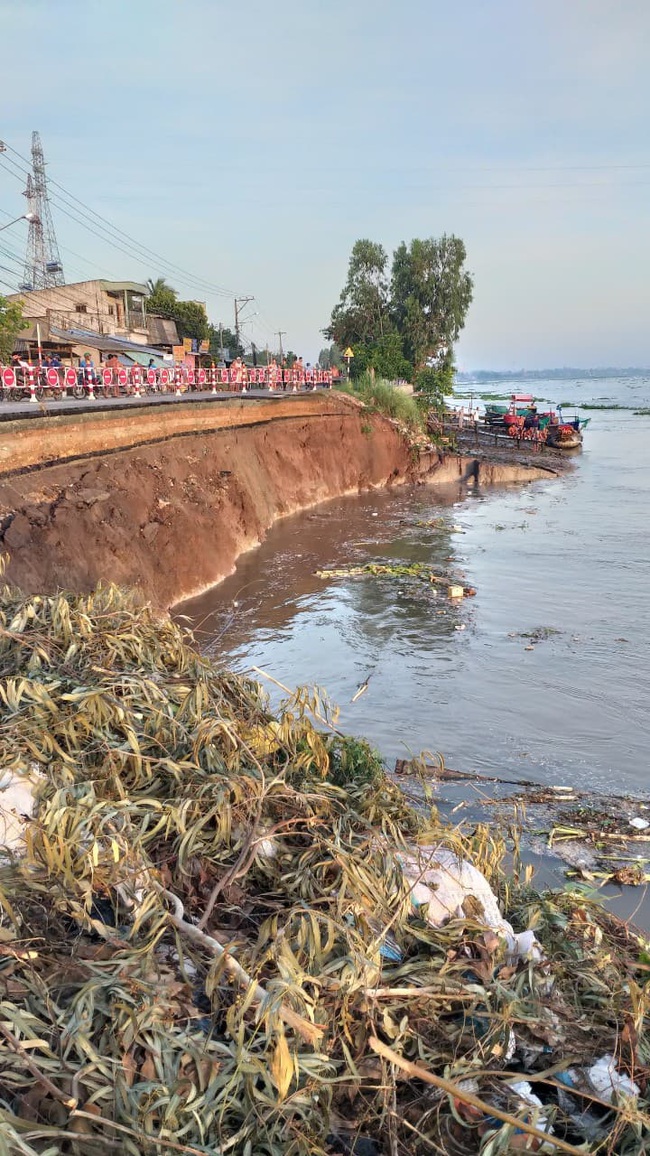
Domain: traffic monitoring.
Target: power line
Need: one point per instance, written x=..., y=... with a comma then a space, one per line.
x=145, y=252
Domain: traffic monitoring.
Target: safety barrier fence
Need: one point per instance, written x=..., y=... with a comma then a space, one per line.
x=36, y=382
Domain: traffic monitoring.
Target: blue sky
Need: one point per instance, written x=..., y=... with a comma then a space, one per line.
x=253, y=143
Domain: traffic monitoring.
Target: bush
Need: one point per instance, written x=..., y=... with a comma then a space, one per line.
x=433, y=384
x=383, y=397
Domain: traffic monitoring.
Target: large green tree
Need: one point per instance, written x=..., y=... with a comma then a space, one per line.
x=190, y=316
x=409, y=326
x=362, y=313
x=191, y=320
x=431, y=292
x=11, y=323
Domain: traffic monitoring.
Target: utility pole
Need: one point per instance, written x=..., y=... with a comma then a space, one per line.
x=280, y=333
x=240, y=303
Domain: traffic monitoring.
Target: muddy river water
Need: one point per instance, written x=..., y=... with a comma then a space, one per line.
x=544, y=673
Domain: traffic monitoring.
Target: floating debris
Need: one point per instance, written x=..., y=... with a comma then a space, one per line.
x=417, y=570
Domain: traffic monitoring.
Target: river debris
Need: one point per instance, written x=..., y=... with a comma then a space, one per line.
x=222, y=934
x=418, y=570
x=602, y=838
x=362, y=688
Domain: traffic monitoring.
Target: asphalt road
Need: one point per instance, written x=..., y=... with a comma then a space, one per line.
x=24, y=408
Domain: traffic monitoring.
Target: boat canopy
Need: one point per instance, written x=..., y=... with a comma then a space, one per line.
x=522, y=398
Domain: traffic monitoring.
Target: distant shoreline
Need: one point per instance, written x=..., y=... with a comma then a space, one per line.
x=485, y=376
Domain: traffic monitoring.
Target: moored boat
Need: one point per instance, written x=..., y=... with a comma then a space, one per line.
x=563, y=437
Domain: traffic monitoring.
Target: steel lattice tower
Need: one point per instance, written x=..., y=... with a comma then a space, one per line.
x=43, y=268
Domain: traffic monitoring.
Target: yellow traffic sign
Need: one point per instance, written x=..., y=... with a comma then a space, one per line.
x=349, y=352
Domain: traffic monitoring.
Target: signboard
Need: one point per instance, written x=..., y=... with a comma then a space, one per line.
x=187, y=344
x=204, y=347
x=178, y=352
x=349, y=352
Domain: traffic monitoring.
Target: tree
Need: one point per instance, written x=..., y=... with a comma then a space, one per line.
x=190, y=316
x=158, y=286
x=388, y=360
x=362, y=313
x=161, y=297
x=412, y=326
x=191, y=320
x=430, y=295
x=434, y=384
x=224, y=338
x=11, y=323
x=331, y=357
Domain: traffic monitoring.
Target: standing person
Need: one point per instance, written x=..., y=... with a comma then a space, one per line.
x=461, y=417
x=113, y=363
x=476, y=418
x=273, y=373
x=87, y=367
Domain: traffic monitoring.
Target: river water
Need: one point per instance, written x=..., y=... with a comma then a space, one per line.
x=566, y=561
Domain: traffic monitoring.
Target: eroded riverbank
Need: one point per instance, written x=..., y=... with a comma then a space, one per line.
x=172, y=513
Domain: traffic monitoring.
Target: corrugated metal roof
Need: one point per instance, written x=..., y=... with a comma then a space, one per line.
x=103, y=342
x=162, y=330
x=120, y=286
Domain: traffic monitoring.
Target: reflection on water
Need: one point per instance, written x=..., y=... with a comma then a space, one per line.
x=569, y=556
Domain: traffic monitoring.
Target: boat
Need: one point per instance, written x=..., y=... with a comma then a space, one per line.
x=519, y=406
x=564, y=437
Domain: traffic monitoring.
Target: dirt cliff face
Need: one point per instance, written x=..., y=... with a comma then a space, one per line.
x=172, y=517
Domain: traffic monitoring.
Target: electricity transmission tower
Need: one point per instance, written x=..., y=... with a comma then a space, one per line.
x=43, y=268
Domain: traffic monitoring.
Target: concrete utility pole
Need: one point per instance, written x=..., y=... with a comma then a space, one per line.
x=280, y=333
x=240, y=303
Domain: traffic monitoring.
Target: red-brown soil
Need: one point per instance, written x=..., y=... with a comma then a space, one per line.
x=171, y=515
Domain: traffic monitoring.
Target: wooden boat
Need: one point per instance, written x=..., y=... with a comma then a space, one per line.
x=519, y=406
x=563, y=437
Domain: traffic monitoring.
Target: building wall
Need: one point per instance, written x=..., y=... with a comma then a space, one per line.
x=83, y=305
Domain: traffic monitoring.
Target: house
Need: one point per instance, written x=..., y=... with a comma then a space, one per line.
x=95, y=314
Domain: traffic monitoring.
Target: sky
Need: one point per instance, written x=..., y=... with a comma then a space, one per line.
x=250, y=144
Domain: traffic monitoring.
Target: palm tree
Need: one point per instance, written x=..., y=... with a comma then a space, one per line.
x=159, y=286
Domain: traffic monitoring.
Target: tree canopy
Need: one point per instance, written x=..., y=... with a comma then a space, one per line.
x=11, y=323
x=190, y=316
x=430, y=295
x=408, y=325
x=362, y=311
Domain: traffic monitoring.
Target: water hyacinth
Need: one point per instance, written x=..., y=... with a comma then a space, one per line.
x=208, y=944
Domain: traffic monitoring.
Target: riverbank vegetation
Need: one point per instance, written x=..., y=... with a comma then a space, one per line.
x=404, y=326
x=210, y=941
x=383, y=397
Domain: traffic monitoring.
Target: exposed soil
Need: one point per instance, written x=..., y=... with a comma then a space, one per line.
x=172, y=516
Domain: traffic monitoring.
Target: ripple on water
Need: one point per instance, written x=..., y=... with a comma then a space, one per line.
x=572, y=555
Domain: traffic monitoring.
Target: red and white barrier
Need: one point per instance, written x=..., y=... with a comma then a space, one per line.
x=9, y=378
x=30, y=373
